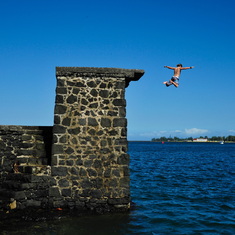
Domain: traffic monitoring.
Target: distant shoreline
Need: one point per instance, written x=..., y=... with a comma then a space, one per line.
x=226, y=142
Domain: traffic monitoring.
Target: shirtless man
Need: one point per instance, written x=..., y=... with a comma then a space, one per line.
x=177, y=70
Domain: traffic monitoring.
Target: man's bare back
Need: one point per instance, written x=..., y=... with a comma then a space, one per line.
x=177, y=72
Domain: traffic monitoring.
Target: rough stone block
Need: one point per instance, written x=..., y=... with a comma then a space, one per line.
x=116, y=172
x=94, y=92
x=63, y=183
x=112, y=113
x=119, y=122
x=120, y=85
x=70, y=162
x=124, y=132
x=96, y=193
x=119, y=102
x=59, y=171
x=80, y=84
x=126, y=171
x=56, y=119
x=103, y=85
x=93, y=105
x=88, y=163
x=79, y=205
x=91, y=172
x=122, y=141
x=82, y=172
x=59, y=129
x=19, y=195
x=66, y=192
x=113, y=133
x=33, y=203
x=57, y=149
x=91, y=84
x=76, y=90
x=61, y=90
x=66, y=121
x=60, y=203
x=26, y=137
x=97, y=164
x=82, y=122
x=69, y=150
x=74, y=131
x=92, y=122
x=85, y=192
x=59, y=99
x=125, y=182
x=54, y=192
x=107, y=173
x=74, y=171
x=113, y=183
x=43, y=193
x=104, y=93
x=86, y=183
x=123, y=159
x=116, y=201
x=60, y=109
x=61, y=83
x=105, y=122
x=71, y=99
x=54, y=160
x=103, y=143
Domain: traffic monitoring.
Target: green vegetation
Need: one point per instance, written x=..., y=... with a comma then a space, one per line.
x=229, y=138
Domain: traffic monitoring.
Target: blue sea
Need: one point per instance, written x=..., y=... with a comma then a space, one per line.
x=176, y=188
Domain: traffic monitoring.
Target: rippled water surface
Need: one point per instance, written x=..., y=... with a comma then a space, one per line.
x=183, y=188
x=177, y=188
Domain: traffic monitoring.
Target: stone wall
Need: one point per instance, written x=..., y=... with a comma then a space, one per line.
x=25, y=158
x=24, y=145
x=90, y=161
x=81, y=162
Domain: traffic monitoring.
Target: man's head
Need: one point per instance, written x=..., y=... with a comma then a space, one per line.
x=179, y=65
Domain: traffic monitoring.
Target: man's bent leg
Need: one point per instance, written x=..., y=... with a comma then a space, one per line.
x=168, y=83
x=175, y=84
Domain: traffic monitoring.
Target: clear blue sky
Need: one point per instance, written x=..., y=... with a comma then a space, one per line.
x=38, y=35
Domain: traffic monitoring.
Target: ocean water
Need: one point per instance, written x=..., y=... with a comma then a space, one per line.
x=183, y=188
x=177, y=188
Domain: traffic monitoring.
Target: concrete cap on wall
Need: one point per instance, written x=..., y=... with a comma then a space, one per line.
x=128, y=74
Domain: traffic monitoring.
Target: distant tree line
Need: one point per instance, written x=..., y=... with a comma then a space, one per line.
x=213, y=138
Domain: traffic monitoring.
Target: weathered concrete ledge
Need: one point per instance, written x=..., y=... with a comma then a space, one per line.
x=128, y=74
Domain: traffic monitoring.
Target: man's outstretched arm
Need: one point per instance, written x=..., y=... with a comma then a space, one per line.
x=169, y=67
x=191, y=67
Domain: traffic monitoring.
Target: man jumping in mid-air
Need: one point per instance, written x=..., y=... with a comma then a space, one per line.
x=175, y=79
